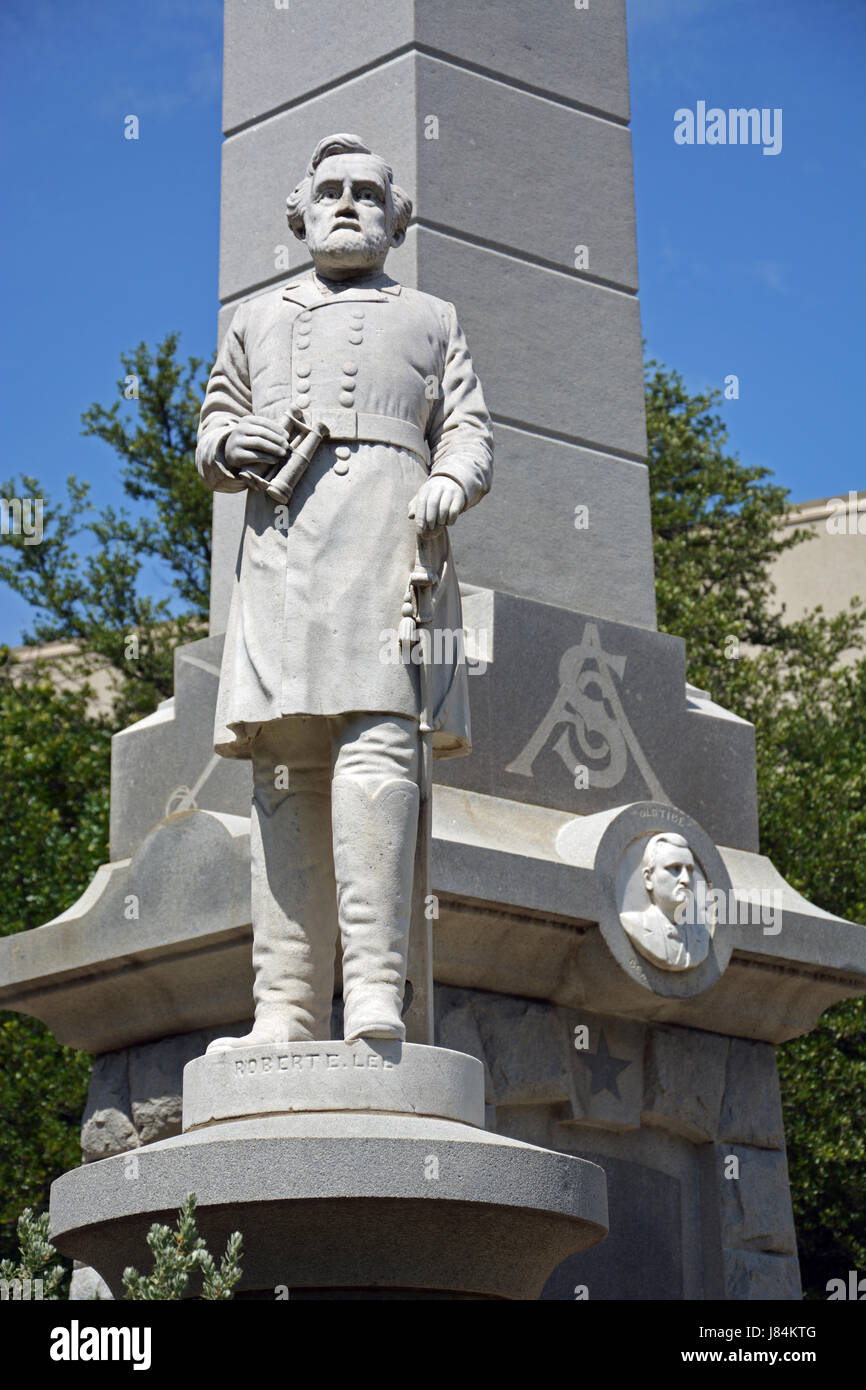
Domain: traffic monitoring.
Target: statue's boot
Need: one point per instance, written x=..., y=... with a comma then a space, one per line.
x=294, y=916
x=375, y=824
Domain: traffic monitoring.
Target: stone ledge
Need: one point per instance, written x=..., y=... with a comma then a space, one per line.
x=514, y=918
x=345, y=1199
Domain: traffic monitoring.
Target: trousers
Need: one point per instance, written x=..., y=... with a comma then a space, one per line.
x=334, y=824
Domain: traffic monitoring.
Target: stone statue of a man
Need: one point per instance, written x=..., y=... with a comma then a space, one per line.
x=366, y=387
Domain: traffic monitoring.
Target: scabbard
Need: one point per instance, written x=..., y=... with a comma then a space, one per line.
x=419, y=1018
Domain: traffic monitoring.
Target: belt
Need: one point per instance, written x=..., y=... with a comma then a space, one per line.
x=373, y=429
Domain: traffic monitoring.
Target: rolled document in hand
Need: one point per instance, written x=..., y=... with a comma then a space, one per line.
x=304, y=440
x=258, y=476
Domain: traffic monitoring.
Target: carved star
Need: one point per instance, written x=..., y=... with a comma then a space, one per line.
x=605, y=1068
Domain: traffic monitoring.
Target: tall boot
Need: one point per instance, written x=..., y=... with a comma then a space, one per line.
x=294, y=909
x=375, y=824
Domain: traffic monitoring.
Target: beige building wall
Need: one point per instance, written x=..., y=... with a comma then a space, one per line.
x=62, y=663
x=830, y=569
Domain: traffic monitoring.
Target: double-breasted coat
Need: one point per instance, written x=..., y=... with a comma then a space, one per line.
x=319, y=584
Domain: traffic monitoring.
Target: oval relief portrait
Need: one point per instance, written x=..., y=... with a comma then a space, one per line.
x=664, y=904
x=661, y=881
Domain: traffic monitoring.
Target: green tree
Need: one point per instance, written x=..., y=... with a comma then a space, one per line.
x=84, y=580
x=179, y=1253
x=715, y=525
x=34, y=1260
x=54, y=766
x=176, y=1254
x=84, y=584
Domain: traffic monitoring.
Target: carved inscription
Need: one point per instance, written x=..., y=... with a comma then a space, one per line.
x=268, y=1062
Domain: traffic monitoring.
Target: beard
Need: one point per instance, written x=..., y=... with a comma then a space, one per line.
x=345, y=249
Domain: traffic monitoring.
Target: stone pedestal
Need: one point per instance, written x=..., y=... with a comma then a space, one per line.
x=361, y=1168
x=512, y=137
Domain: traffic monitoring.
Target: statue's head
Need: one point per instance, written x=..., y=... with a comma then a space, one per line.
x=348, y=209
x=667, y=868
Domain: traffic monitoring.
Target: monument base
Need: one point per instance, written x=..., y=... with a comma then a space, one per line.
x=400, y=1078
x=338, y=1202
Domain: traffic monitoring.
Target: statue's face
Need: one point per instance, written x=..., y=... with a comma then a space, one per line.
x=669, y=882
x=348, y=220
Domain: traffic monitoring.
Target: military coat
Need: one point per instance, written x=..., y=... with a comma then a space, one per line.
x=320, y=582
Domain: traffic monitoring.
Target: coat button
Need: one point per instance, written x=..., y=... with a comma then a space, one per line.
x=347, y=398
x=347, y=384
x=349, y=369
x=302, y=401
x=356, y=339
x=341, y=467
x=305, y=316
x=303, y=369
x=343, y=451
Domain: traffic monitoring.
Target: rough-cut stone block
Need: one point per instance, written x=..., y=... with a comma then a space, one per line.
x=755, y=1207
x=752, y=1105
x=525, y=1046
x=685, y=1081
x=457, y=1028
x=607, y=1074
x=274, y=57
x=87, y=1285
x=156, y=1084
x=136, y=1093
x=758, y=1278
x=107, y=1126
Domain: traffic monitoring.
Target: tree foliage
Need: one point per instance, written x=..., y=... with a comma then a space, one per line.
x=154, y=436
x=54, y=766
x=180, y=1253
x=83, y=583
x=35, y=1253
x=715, y=524
x=84, y=580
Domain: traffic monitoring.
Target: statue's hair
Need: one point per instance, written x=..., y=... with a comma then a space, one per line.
x=654, y=844
x=299, y=198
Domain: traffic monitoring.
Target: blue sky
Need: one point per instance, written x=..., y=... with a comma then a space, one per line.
x=754, y=264
x=750, y=264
